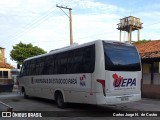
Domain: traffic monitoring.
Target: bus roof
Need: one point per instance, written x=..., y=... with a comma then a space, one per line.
x=74, y=46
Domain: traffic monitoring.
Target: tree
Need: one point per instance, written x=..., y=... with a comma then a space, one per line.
x=141, y=41
x=22, y=51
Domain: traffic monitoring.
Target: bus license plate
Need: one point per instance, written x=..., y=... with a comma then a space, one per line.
x=124, y=98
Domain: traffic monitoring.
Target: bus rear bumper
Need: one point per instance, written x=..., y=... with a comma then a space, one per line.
x=122, y=99
x=118, y=99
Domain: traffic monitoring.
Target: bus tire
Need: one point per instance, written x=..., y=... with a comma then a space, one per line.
x=60, y=100
x=24, y=93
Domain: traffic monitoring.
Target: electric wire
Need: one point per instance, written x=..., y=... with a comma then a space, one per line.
x=34, y=24
x=28, y=28
x=41, y=20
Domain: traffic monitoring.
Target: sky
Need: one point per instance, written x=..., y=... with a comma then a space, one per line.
x=44, y=25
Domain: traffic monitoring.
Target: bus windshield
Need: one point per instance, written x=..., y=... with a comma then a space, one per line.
x=121, y=57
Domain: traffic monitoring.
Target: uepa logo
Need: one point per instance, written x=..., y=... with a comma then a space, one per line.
x=119, y=81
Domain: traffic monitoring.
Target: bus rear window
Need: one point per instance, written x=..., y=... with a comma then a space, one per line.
x=121, y=57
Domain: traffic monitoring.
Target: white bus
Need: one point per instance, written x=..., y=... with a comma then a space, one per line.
x=99, y=72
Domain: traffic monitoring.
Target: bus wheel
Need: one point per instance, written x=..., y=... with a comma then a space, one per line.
x=24, y=93
x=60, y=101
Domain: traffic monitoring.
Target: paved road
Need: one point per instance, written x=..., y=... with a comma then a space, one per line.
x=75, y=111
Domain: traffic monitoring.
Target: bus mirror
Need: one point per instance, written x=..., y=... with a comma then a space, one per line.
x=18, y=66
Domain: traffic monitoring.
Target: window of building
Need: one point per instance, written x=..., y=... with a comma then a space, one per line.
x=5, y=74
x=1, y=75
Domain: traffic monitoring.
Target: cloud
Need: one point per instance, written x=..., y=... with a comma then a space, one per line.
x=9, y=3
x=40, y=22
x=90, y=4
x=93, y=6
x=93, y=25
x=54, y=31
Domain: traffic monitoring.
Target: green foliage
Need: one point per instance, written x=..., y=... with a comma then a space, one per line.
x=22, y=51
x=141, y=41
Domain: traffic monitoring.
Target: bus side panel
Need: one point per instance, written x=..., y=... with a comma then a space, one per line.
x=77, y=92
x=24, y=82
x=99, y=73
x=76, y=87
x=79, y=97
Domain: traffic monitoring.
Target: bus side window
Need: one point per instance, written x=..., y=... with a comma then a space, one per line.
x=47, y=65
x=63, y=63
x=51, y=65
x=56, y=65
x=70, y=62
x=23, y=70
x=27, y=67
x=33, y=67
x=81, y=60
x=78, y=61
x=61, y=67
x=89, y=59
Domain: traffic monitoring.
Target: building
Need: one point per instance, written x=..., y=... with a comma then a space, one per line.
x=150, y=56
x=6, y=81
x=15, y=73
x=2, y=55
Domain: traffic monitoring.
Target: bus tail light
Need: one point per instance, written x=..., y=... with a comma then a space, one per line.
x=102, y=82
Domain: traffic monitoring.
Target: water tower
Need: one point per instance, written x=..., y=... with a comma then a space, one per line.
x=130, y=24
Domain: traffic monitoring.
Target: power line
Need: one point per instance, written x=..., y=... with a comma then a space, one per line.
x=29, y=27
x=42, y=19
x=63, y=11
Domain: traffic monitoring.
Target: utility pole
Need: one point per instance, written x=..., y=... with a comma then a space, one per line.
x=70, y=21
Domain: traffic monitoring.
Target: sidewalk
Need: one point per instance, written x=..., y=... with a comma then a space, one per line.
x=14, y=92
x=8, y=94
x=144, y=104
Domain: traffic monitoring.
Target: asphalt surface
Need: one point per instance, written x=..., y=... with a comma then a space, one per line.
x=143, y=105
x=76, y=111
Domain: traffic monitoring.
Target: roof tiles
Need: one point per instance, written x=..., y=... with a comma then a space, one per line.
x=4, y=65
x=150, y=49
